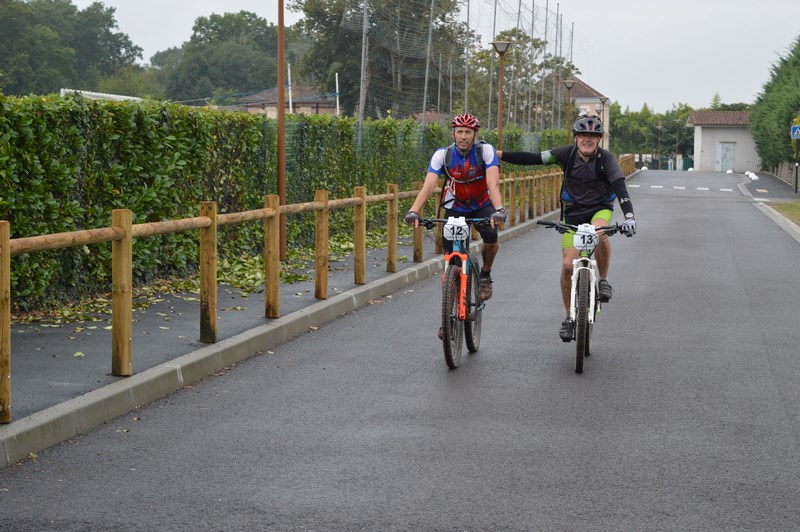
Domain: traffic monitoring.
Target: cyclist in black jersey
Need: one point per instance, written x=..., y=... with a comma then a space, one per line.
x=593, y=179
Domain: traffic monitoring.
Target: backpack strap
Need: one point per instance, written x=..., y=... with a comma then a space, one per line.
x=564, y=195
x=599, y=169
x=448, y=158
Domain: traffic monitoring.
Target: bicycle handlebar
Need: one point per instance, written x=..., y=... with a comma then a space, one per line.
x=562, y=227
x=428, y=223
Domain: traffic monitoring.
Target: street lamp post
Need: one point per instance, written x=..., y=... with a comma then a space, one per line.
x=659, y=127
x=569, y=83
x=603, y=100
x=501, y=47
x=677, y=136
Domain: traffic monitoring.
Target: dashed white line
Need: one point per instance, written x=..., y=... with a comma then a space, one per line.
x=702, y=188
x=656, y=186
x=726, y=190
x=679, y=188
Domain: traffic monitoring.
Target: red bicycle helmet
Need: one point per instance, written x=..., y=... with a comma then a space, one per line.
x=466, y=120
x=588, y=125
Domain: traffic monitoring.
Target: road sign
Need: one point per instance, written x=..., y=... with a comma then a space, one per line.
x=796, y=132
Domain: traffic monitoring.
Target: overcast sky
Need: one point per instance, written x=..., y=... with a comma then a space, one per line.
x=657, y=52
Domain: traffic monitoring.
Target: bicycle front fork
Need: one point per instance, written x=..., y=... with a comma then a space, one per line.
x=462, y=286
x=577, y=266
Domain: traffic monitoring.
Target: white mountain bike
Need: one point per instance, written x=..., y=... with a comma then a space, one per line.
x=584, y=301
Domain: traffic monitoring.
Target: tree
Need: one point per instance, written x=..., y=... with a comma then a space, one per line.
x=46, y=45
x=33, y=58
x=398, y=32
x=228, y=55
x=776, y=108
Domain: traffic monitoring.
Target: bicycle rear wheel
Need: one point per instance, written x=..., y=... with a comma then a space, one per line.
x=583, y=328
x=452, y=327
x=474, y=307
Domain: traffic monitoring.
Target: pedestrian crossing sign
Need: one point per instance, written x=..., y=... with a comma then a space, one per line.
x=796, y=132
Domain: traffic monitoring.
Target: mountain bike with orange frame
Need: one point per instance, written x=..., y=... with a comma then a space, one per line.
x=461, y=305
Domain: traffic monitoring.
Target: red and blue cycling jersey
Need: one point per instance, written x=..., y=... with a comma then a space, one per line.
x=466, y=189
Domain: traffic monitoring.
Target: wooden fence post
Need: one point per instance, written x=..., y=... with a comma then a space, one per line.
x=392, y=210
x=360, y=236
x=417, y=232
x=512, y=200
x=122, y=295
x=272, y=257
x=321, y=245
x=208, y=274
x=5, y=322
x=532, y=196
x=503, y=188
x=523, y=197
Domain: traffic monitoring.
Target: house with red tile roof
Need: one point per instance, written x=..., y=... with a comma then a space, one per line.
x=722, y=142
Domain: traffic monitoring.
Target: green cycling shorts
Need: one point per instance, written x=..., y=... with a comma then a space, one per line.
x=604, y=214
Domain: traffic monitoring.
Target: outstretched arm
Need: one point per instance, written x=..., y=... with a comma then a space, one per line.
x=524, y=158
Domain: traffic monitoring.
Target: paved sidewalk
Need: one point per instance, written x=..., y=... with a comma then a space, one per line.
x=61, y=382
x=769, y=188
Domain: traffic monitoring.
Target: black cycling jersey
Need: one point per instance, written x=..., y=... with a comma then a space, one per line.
x=589, y=185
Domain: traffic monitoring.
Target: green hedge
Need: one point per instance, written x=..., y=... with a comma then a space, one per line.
x=66, y=163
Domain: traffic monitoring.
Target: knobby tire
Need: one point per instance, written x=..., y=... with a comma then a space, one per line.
x=452, y=327
x=582, y=325
x=472, y=327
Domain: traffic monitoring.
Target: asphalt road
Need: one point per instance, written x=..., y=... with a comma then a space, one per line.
x=685, y=418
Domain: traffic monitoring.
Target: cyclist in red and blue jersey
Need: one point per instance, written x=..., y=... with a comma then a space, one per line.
x=472, y=189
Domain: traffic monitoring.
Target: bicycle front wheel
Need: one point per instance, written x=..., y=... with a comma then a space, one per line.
x=473, y=324
x=583, y=329
x=452, y=327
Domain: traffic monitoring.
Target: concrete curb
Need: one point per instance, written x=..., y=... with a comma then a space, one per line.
x=63, y=421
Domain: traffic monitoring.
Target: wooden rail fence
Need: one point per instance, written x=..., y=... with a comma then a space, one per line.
x=526, y=197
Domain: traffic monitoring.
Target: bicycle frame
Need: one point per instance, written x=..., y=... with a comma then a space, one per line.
x=461, y=304
x=584, y=304
x=457, y=230
x=585, y=240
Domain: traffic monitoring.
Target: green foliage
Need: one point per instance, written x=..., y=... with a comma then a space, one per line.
x=553, y=138
x=227, y=55
x=648, y=132
x=66, y=163
x=776, y=109
x=46, y=45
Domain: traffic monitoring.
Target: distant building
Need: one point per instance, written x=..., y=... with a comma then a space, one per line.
x=722, y=141
x=304, y=100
